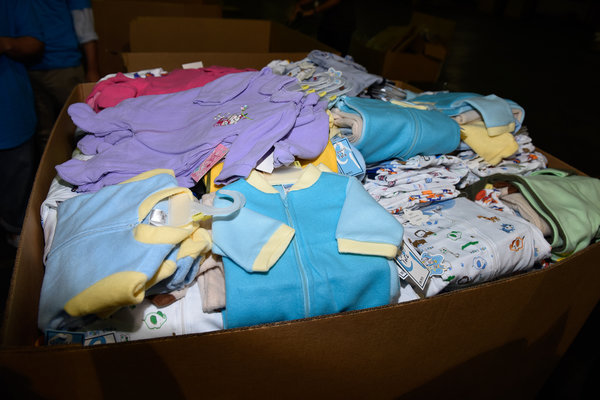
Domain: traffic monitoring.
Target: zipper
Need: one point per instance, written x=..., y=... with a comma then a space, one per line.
x=284, y=200
x=114, y=228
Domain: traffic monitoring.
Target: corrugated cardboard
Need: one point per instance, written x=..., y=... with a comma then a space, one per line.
x=216, y=35
x=170, y=61
x=413, y=53
x=112, y=20
x=496, y=340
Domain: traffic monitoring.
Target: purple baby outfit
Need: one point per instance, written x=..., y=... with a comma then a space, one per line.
x=248, y=112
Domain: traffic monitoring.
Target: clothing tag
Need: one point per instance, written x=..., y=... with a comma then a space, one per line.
x=180, y=209
x=410, y=261
x=53, y=337
x=214, y=157
x=266, y=165
x=108, y=337
x=90, y=338
x=415, y=217
x=192, y=65
x=346, y=159
x=401, y=272
x=158, y=217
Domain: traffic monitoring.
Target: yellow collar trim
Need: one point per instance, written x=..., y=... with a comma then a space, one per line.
x=149, y=174
x=308, y=176
x=150, y=201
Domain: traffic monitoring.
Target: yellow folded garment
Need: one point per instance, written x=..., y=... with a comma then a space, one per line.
x=492, y=149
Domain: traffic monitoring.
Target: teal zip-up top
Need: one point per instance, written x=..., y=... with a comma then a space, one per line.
x=322, y=245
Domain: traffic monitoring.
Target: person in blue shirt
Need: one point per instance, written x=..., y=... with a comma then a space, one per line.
x=70, y=58
x=20, y=42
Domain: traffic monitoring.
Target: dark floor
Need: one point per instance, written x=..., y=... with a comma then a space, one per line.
x=548, y=63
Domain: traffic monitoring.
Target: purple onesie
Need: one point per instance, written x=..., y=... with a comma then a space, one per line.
x=248, y=112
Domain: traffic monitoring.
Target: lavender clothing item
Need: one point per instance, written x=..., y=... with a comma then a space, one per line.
x=352, y=71
x=248, y=112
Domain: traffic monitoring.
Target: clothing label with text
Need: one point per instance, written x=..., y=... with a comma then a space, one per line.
x=410, y=262
x=214, y=157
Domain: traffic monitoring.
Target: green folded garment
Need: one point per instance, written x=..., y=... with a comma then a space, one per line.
x=569, y=203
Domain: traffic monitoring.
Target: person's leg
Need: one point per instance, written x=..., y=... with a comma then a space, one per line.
x=18, y=171
x=52, y=89
x=45, y=109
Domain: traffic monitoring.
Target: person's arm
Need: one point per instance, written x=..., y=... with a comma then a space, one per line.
x=23, y=49
x=83, y=22
x=90, y=51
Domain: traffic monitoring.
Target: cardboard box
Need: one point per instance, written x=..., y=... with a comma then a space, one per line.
x=495, y=340
x=170, y=61
x=216, y=35
x=112, y=18
x=413, y=53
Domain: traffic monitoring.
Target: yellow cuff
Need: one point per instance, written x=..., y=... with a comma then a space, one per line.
x=116, y=290
x=369, y=248
x=273, y=249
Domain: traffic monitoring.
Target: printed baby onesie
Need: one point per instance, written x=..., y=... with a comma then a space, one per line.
x=463, y=244
x=402, y=185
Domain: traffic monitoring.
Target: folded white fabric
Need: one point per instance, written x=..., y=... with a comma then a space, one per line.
x=146, y=321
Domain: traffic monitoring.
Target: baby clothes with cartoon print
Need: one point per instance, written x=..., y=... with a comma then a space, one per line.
x=402, y=185
x=473, y=244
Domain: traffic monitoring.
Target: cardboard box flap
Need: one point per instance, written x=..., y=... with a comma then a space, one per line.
x=284, y=39
x=436, y=29
x=183, y=34
x=112, y=18
x=170, y=61
x=180, y=34
x=422, y=29
x=412, y=53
